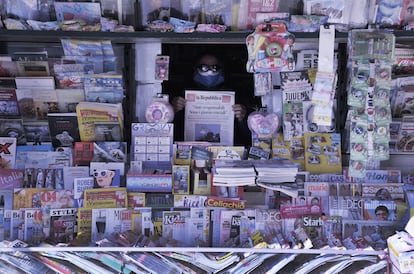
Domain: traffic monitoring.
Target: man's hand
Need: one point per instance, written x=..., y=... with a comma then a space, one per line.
x=178, y=103
x=239, y=112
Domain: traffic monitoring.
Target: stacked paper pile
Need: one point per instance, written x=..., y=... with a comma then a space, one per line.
x=275, y=171
x=233, y=173
x=279, y=175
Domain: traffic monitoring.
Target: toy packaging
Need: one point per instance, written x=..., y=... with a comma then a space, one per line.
x=270, y=48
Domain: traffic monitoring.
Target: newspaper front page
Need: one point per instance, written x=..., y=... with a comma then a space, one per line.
x=209, y=116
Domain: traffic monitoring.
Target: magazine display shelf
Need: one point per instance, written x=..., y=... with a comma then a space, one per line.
x=144, y=36
x=195, y=249
x=11, y=38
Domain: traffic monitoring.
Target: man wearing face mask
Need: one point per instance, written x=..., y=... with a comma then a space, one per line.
x=209, y=75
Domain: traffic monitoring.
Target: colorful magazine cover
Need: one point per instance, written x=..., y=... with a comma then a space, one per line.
x=79, y=186
x=380, y=210
x=83, y=153
x=110, y=152
x=152, y=141
x=8, y=152
x=23, y=197
x=33, y=226
x=89, y=13
x=105, y=197
x=105, y=222
x=11, y=178
x=323, y=230
x=63, y=128
x=84, y=225
x=70, y=173
x=90, y=112
x=8, y=103
x=15, y=223
x=63, y=225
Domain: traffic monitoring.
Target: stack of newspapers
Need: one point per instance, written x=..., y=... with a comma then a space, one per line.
x=279, y=175
x=233, y=173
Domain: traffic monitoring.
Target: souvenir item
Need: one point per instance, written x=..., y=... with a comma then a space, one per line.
x=263, y=124
x=270, y=48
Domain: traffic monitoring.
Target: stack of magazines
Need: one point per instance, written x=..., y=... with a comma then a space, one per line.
x=233, y=173
x=275, y=171
x=278, y=175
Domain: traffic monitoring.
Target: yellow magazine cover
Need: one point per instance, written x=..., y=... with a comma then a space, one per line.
x=110, y=197
x=90, y=113
x=323, y=153
x=84, y=225
x=136, y=199
x=23, y=197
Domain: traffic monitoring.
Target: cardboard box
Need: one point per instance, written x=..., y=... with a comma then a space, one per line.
x=401, y=252
x=401, y=249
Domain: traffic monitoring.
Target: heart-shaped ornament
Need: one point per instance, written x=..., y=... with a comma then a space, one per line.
x=263, y=124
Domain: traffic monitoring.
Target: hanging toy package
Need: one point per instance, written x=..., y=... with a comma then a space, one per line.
x=270, y=48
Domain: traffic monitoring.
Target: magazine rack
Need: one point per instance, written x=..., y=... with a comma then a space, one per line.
x=42, y=39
